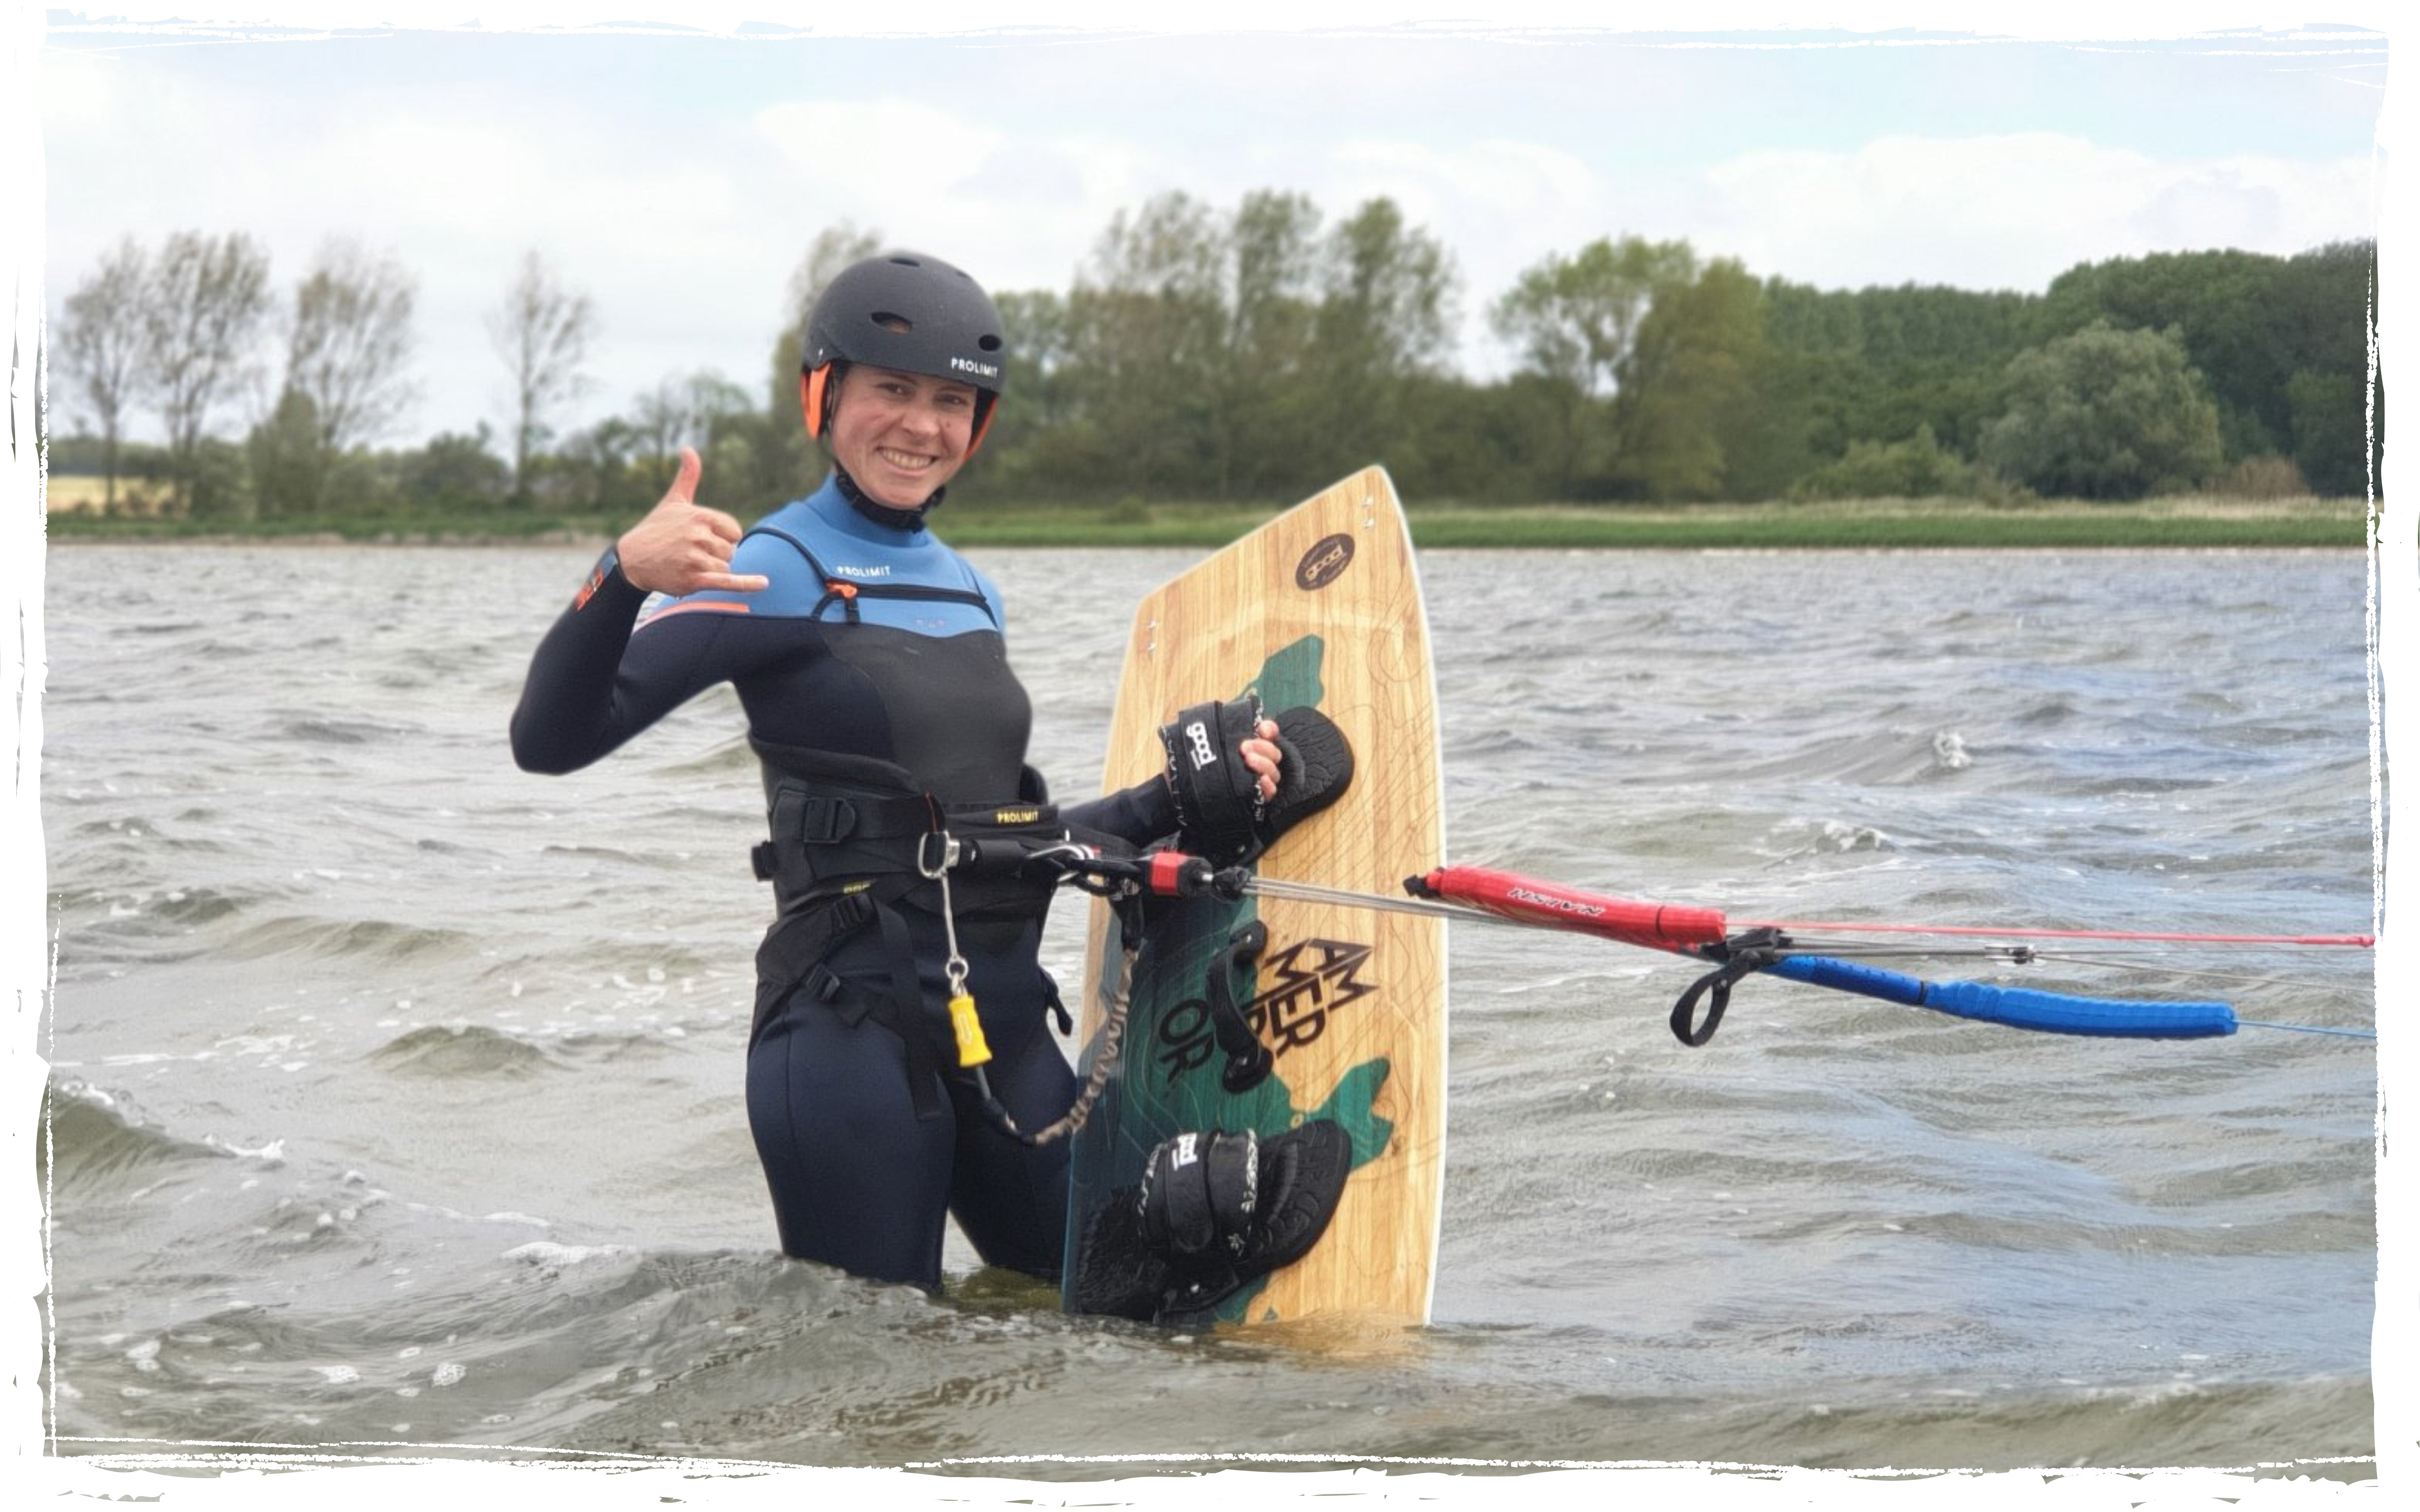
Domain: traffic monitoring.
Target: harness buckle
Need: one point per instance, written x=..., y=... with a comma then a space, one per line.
x=808, y=818
x=823, y=821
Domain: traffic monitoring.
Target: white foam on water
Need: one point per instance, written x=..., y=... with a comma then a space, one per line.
x=271, y=1153
x=546, y=1252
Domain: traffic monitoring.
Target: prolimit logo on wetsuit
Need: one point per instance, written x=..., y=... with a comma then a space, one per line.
x=1312, y=979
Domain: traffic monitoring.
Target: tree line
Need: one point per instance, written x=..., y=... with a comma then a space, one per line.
x=191, y=329
x=1258, y=351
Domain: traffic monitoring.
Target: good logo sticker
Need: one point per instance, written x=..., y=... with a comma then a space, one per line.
x=1324, y=562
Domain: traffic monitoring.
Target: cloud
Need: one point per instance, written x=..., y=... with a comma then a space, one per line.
x=1492, y=175
x=2011, y=212
x=880, y=152
x=1028, y=206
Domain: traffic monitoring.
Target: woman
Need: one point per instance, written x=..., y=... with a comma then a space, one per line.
x=870, y=660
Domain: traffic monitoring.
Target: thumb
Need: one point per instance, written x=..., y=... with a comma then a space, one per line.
x=685, y=480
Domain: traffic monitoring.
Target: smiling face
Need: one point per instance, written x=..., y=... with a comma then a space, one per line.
x=901, y=435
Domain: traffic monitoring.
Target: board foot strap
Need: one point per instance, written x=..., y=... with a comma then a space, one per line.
x=1201, y=1227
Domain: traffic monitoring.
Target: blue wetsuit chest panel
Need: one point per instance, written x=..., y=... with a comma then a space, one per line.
x=919, y=678
x=826, y=561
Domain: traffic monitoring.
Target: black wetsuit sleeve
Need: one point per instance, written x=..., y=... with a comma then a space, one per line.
x=1139, y=814
x=591, y=688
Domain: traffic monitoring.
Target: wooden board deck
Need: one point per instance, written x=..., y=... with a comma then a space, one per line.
x=1321, y=607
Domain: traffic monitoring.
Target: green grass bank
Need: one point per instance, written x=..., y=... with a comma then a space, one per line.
x=2177, y=523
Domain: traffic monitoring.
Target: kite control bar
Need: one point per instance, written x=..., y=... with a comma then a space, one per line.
x=1704, y=932
x=1485, y=895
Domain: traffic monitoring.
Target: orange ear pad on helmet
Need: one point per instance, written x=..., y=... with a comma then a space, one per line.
x=990, y=403
x=811, y=398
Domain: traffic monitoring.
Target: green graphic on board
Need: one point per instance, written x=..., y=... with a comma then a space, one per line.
x=1169, y=1078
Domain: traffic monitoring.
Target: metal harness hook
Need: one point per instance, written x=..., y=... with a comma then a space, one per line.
x=973, y=1051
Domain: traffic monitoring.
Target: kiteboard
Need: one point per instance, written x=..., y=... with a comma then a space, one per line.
x=1321, y=607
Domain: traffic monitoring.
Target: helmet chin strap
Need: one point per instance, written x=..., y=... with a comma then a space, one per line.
x=878, y=512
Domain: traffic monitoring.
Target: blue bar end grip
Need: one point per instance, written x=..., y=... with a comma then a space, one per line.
x=2021, y=1008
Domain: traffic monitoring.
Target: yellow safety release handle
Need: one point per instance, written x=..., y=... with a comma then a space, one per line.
x=971, y=1049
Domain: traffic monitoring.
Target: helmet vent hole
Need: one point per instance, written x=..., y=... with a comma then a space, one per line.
x=989, y=344
x=888, y=321
x=906, y=262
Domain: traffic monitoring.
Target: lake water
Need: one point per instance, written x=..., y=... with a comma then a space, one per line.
x=396, y=1094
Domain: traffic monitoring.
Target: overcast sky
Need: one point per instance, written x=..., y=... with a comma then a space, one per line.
x=678, y=177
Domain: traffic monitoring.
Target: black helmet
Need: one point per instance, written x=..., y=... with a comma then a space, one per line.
x=911, y=314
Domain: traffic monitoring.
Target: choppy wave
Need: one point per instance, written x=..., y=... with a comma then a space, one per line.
x=313, y=729
x=90, y=1137
x=463, y=1052
x=376, y=939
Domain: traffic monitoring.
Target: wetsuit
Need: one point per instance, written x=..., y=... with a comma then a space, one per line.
x=876, y=650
